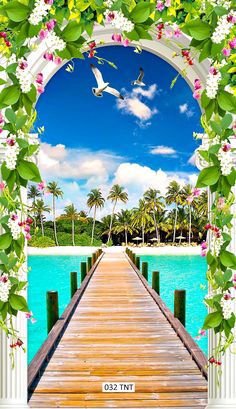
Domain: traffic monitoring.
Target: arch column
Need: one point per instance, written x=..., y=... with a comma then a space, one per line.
x=222, y=395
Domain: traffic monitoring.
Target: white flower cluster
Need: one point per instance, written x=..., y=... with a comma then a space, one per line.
x=40, y=11
x=5, y=286
x=54, y=42
x=222, y=29
x=223, y=3
x=25, y=78
x=109, y=3
x=227, y=307
x=212, y=84
x=119, y=21
x=216, y=243
x=15, y=228
x=11, y=156
x=226, y=161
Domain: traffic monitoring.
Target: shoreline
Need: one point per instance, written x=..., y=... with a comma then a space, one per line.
x=87, y=250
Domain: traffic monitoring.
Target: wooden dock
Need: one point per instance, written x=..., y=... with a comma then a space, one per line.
x=117, y=330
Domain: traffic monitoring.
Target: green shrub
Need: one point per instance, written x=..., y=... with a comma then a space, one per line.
x=41, y=241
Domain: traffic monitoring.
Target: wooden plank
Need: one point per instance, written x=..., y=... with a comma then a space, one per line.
x=120, y=332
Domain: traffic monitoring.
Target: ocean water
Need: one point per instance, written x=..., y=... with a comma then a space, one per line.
x=53, y=273
x=183, y=273
x=48, y=273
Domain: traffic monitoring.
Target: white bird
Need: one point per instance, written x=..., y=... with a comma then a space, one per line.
x=103, y=86
x=139, y=80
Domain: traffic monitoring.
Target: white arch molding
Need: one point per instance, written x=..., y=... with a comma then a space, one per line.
x=13, y=382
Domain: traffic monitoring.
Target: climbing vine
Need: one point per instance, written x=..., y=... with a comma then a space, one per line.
x=67, y=28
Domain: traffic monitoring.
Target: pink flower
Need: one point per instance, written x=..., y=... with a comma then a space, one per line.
x=29, y=220
x=8, y=43
x=227, y=296
x=51, y=24
x=48, y=56
x=3, y=34
x=160, y=6
x=204, y=245
x=39, y=78
x=28, y=315
x=177, y=32
x=189, y=199
x=203, y=254
x=231, y=19
x=2, y=186
x=117, y=38
x=213, y=71
x=202, y=332
x=221, y=203
x=50, y=2
x=232, y=43
x=168, y=3
x=4, y=278
x=197, y=338
x=1, y=119
x=58, y=60
x=126, y=42
x=28, y=236
x=23, y=65
x=91, y=54
x=27, y=228
x=196, y=95
x=208, y=226
x=92, y=45
x=21, y=224
x=197, y=84
x=33, y=320
x=42, y=185
x=110, y=17
x=226, y=147
x=14, y=217
x=43, y=34
x=168, y=33
x=10, y=141
x=226, y=52
x=196, y=192
x=40, y=89
x=212, y=360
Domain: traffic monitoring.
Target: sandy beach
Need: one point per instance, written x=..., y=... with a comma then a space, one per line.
x=86, y=250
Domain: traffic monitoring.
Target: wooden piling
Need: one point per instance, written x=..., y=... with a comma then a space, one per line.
x=137, y=262
x=180, y=305
x=145, y=269
x=52, y=309
x=73, y=283
x=89, y=264
x=156, y=281
x=83, y=270
x=93, y=258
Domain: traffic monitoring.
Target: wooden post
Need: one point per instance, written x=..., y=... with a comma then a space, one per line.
x=73, y=283
x=83, y=270
x=156, y=281
x=52, y=309
x=93, y=258
x=137, y=262
x=180, y=305
x=89, y=264
x=145, y=269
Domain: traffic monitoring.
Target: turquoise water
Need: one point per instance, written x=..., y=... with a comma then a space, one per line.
x=48, y=273
x=53, y=273
x=187, y=273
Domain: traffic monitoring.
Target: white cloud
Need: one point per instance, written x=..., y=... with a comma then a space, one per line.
x=192, y=159
x=163, y=150
x=132, y=105
x=148, y=93
x=184, y=109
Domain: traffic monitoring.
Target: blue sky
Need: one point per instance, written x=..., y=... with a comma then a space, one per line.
x=93, y=142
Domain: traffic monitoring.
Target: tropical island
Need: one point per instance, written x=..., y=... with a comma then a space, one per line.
x=178, y=217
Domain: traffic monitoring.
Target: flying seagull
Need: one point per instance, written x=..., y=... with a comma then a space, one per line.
x=103, y=86
x=139, y=80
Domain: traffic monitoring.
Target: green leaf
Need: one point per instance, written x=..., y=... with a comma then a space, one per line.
x=227, y=275
x=28, y=171
x=140, y=12
x=10, y=115
x=142, y=32
x=205, y=100
x=228, y=259
x=18, y=302
x=208, y=176
x=216, y=127
x=5, y=241
x=206, y=51
x=227, y=101
x=11, y=68
x=213, y=320
x=198, y=29
x=16, y=11
x=72, y=31
x=9, y=95
x=226, y=121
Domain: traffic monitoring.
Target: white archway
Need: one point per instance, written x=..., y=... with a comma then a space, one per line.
x=13, y=383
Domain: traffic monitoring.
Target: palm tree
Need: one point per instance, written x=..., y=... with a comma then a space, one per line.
x=56, y=192
x=186, y=195
x=116, y=194
x=155, y=204
x=40, y=208
x=173, y=195
x=142, y=218
x=95, y=200
x=123, y=223
x=33, y=193
x=72, y=214
x=181, y=221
